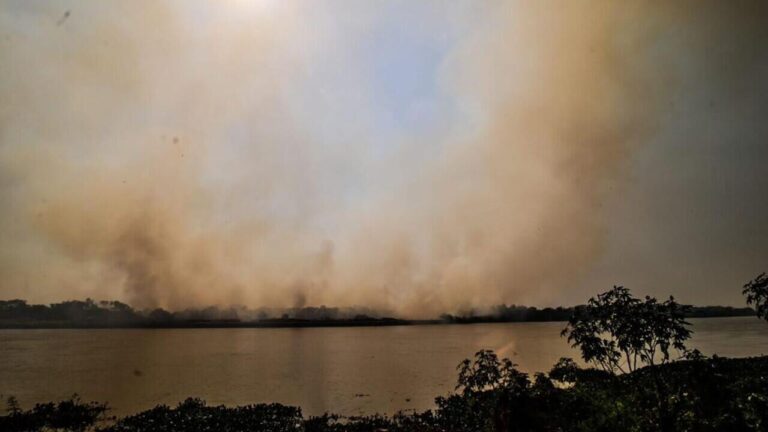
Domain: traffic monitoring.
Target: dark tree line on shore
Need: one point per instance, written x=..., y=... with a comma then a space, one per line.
x=515, y=313
x=90, y=313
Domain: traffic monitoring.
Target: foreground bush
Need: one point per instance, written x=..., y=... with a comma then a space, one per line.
x=70, y=415
x=194, y=415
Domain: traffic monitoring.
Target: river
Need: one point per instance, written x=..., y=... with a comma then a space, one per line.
x=352, y=370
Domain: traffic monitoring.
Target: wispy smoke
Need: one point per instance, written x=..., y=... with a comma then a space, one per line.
x=181, y=154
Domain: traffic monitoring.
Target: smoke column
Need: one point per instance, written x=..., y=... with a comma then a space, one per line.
x=193, y=153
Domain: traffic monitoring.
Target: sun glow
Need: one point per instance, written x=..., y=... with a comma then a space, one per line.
x=259, y=6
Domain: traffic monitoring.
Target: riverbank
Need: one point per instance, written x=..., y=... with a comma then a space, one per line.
x=715, y=394
x=89, y=314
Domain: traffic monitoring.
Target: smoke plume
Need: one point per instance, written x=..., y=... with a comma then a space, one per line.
x=185, y=154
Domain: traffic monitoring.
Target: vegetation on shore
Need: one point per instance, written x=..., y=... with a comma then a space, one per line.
x=114, y=314
x=642, y=378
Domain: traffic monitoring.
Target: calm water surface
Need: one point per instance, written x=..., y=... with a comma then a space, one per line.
x=347, y=370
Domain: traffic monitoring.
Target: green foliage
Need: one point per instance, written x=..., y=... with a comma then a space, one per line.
x=620, y=333
x=756, y=292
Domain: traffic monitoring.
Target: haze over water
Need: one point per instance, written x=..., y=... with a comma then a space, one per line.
x=347, y=370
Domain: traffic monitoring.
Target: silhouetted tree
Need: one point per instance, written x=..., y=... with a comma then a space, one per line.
x=12, y=406
x=620, y=333
x=756, y=292
x=491, y=396
x=487, y=372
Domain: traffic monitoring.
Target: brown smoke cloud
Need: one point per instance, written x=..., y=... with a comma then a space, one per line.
x=180, y=156
x=513, y=214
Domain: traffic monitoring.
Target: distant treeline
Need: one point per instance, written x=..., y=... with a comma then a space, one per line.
x=90, y=313
x=515, y=313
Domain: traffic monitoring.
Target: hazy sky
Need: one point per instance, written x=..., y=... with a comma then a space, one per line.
x=417, y=156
